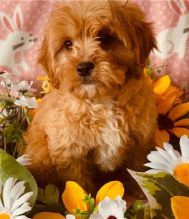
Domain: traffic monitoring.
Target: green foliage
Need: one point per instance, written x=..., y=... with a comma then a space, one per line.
x=14, y=120
x=48, y=195
x=152, y=70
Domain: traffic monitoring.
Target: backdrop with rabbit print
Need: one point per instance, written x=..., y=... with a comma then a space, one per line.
x=22, y=24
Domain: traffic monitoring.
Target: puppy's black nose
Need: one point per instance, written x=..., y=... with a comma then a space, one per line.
x=84, y=68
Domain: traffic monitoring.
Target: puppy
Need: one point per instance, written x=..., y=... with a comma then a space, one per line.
x=101, y=116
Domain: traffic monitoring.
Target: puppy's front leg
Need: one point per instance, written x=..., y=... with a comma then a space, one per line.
x=109, y=158
x=37, y=149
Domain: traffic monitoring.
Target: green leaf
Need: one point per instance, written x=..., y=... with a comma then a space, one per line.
x=9, y=167
x=136, y=212
x=51, y=194
x=92, y=204
x=41, y=196
x=159, y=188
x=48, y=195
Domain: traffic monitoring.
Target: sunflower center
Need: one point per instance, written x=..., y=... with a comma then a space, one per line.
x=181, y=172
x=164, y=122
x=112, y=217
x=4, y=216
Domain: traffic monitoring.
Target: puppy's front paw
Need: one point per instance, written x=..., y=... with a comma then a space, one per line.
x=106, y=165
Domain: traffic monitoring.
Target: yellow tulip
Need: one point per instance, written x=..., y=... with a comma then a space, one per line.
x=73, y=196
x=48, y=215
x=180, y=207
x=111, y=190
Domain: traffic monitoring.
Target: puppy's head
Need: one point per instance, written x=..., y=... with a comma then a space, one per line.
x=92, y=48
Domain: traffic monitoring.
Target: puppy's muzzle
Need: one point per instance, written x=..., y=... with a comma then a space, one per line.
x=85, y=68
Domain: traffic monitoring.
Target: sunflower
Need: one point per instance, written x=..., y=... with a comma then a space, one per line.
x=171, y=111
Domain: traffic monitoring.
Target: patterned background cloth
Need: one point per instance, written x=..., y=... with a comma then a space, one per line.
x=21, y=32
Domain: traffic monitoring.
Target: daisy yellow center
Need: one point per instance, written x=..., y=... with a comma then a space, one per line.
x=4, y=216
x=181, y=172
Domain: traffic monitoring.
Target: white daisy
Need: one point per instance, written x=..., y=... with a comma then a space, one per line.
x=13, y=200
x=23, y=86
x=171, y=161
x=29, y=102
x=24, y=160
x=7, y=81
x=109, y=208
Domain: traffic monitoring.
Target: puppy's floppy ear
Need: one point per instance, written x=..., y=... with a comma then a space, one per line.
x=140, y=32
x=131, y=25
x=144, y=41
x=45, y=58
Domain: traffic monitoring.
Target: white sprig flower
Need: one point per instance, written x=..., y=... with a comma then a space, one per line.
x=6, y=80
x=24, y=160
x=23, y=86
x=171, y=161
x=70, y=216
x=109, y=208
x=29, y=102
x=14, y=202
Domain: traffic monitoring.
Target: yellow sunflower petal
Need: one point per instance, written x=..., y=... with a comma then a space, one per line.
x=164, y=105
x=48, y=215
x=180, y=207
x=73, y=196
x=173, y=91
x=178, y=111
x=161, y=136
x=4, y=216
x=178, y=131
x=182, y=122
x=161, y=85
x=181, y=172
x=111, y=190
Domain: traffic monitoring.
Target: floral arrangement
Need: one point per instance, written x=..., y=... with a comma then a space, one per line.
x=165, y=184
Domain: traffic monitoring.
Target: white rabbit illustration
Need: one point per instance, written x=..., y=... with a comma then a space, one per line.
x=17, y=41
x=173, y=40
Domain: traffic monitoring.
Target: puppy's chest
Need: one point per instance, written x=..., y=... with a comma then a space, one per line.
x=91, y=125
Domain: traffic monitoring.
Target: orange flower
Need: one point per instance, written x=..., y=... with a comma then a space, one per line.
x=48, y=215
x=180, y=207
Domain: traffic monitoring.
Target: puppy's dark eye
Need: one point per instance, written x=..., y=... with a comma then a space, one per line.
x=68, y=44
x=106, y=39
